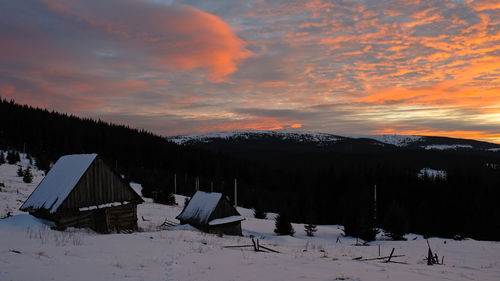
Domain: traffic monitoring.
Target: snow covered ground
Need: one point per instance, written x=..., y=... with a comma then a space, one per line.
x=446, y=146
x=432, y=173
x=30, y=250
x=397, y=140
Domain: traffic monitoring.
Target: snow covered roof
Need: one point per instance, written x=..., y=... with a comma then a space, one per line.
x=201, y=206
x=226, y=220
x=59, y=182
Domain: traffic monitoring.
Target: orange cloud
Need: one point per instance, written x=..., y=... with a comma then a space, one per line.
x=485, y=5
x=214, y=45
x=428, y=131
x=174, y=36
x=252, y=123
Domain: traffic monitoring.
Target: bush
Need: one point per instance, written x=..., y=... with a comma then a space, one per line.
x=27, y=177
x=20, y=172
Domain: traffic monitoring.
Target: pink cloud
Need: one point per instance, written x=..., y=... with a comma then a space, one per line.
x=167, y=36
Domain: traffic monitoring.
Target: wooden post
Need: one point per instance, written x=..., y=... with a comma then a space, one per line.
x=379, y=250
x=254, y=245
x=106, y=219
x=375, y=206
x=429, y=257
x=235, y=193
x=390, y=256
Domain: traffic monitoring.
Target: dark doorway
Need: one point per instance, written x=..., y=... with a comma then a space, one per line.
x=101, y=223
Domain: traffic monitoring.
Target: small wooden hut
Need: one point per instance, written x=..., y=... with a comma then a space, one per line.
x=82, y=191
x=211, y=212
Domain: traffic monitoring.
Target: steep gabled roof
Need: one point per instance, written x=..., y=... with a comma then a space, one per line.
x=59, y=182
x=200, y=207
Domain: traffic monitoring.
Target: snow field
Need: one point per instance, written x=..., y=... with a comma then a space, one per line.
x=432, y=173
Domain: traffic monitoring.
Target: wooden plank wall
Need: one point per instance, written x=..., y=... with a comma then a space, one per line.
x=233, y=228
x=119, y=218
x=223, y=209
x=99, y=185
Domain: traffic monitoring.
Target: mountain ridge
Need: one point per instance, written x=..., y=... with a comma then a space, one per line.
x=400, y=141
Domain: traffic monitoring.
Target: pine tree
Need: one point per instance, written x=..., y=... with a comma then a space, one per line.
x=20, y=172
x=283, y=225
x=13, y=157
x=396, y=226
x=358, y=216
x=310, y=229
x=28, y=177
x=258, y=211
x=2, y=158
x=170, y=199
x=165, y=197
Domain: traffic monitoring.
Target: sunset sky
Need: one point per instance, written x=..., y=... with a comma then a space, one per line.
x=182, y=67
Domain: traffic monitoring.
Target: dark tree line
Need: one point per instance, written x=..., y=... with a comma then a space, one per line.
x=320, y=187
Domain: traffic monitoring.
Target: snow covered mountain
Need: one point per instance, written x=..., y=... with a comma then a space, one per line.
x=330, y=140
x=256, y=134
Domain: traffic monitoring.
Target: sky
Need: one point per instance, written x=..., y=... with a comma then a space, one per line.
x=190, y=67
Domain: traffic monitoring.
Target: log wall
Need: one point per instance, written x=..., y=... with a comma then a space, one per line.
x=118, y=218
x=99, y=185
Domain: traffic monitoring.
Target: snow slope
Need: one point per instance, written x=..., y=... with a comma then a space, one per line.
x=246, y=134
x=30, y=250
x=397, y=140
x=432, y=173
x=15, y=192
x=446, y=146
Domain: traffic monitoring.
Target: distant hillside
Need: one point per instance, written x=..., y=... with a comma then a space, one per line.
x=330, y=142
x=330, y=174
x=284, y=148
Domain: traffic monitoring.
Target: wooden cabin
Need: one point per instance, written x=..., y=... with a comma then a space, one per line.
x=211, y=212
x=82, y=191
